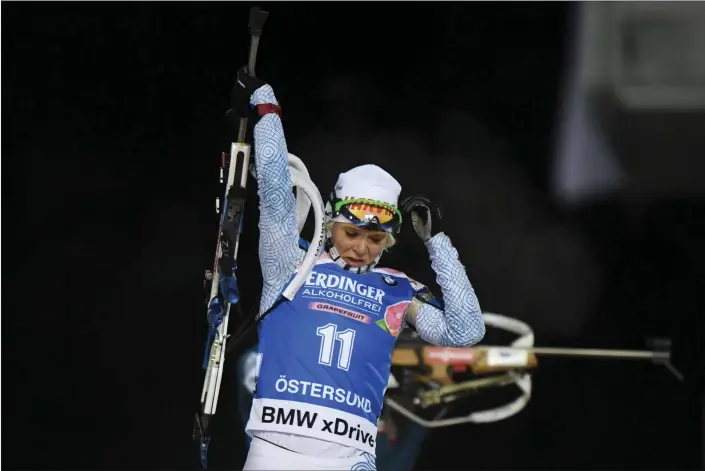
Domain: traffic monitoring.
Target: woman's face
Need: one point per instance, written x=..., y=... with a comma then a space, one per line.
x=358, y=247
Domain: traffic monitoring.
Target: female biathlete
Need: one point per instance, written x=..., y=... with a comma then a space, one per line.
x=324, y=359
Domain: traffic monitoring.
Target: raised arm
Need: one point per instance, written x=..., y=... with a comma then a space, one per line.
x=458, y=321
x=279, y=251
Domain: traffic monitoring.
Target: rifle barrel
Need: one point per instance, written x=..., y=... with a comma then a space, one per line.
x=590, y=352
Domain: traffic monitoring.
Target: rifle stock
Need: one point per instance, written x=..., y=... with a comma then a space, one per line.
x=480, y=360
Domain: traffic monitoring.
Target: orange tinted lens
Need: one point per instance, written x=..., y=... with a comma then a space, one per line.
x=363, y=211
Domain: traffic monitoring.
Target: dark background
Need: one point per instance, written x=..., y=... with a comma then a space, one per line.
x=112, y=133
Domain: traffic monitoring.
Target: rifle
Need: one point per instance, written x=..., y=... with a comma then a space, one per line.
x=221, y=283
x=429, y=371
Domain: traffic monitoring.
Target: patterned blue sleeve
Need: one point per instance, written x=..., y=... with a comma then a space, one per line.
x=460, y=322
x=279, y=251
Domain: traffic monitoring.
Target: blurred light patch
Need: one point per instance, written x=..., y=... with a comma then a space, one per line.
x=633, y=108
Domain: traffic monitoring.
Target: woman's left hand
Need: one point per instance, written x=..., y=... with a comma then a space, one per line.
x=425, y=216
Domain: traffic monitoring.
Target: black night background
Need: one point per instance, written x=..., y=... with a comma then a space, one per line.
x=112, y=135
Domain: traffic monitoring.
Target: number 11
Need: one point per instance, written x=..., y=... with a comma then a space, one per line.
x=330, y=334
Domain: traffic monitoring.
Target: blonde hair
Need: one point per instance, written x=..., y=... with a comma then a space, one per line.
x=391, y=240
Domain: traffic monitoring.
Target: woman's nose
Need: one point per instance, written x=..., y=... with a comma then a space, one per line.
x=360, y=249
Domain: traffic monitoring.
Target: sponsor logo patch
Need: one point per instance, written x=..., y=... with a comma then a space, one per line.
x=312, y=420
x=390, y=280
x=325, y=307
